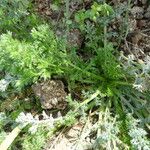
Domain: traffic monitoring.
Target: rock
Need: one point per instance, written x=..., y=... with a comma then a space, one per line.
x=148, y=9
x=141, y=23
x=74, y=38
x=132, y=24
x=136, y=37
x=51, y=94
x=116, y=2
x=147, y=14
x=137, y=12
x=75, y=131
x=135, y=2
x=48, y=12
x=74, y=6
x=143, y=2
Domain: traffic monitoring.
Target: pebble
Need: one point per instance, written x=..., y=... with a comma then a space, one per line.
x=143, y=2
x=148, y=9
x=136, y=37
x=147, y=14
x=141, y=23
x=132, y=24
x=137, y=12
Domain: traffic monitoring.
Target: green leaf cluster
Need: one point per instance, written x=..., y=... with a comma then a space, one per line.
x=107, y=62
x=18, y=17
x=35, y=141
x=41, y=57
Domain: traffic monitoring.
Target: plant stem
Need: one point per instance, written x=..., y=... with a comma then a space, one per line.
x=89, y=99
x=11, y=137
x=122, y=83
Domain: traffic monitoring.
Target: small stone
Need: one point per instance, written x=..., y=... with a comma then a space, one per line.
x=140, y=61
x=75, y=38
x=40, y=6
x=136, y=37
x=148, y=9
x=51, y=94
x=116, y=2
x=135, y=2
x=48, y=13
x=74, y=132
x=147, y=15
x=141, y=23
x=132, y=24
x=88, y=139
x=143, y=2
x=137, y=12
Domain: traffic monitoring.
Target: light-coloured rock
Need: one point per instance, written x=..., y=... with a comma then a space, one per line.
x=137, y=12
x=147, y=14
x=51, y=94
x=132, y=25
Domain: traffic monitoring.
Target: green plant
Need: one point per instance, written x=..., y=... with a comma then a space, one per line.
x=101, y=65
x=16, y=16
x=113, y=77
x=138, y=136
x=34, y=131
x=107, y=133
x=43, y=56
x=35, y=141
